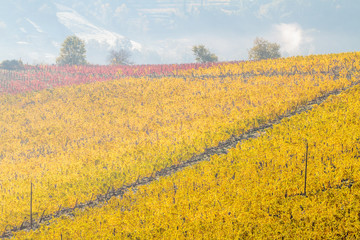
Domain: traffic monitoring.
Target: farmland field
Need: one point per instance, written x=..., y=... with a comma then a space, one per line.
x=76, y=133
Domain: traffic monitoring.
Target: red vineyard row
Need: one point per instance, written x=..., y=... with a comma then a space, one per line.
x=34, y=78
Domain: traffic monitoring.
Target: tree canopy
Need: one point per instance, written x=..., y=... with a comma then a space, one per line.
x=12, y=65
x=203, y=55
x=72, y=52
x=263, y=49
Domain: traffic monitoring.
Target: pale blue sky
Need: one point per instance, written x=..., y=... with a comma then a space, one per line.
x=162, y=31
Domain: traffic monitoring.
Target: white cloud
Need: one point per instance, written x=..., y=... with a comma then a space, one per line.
x=44, y=8
x=158, y=10
x=121, y=10
x=22, y=43
x=61, y=7
x=34, y=25
x=293, y=39
x=56, y=44
x=175, y=50
x=265, y=9
x=90, y=32
x=229, y=12
x=2, y=25
x=50, y=57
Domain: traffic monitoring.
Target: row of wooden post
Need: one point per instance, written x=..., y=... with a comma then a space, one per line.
x=305, y=181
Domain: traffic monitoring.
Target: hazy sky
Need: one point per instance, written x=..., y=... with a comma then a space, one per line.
x=162, y=31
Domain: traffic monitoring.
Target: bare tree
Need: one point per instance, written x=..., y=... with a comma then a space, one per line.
x=120, y=57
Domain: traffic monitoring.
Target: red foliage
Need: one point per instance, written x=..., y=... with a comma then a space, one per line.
x=35, y=78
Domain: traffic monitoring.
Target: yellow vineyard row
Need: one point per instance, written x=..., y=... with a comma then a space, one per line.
x=256, y=191
x=76, y=142
x=335, y=64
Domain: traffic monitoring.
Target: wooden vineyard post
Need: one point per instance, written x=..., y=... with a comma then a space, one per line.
x=31, y=218
x=306, y=162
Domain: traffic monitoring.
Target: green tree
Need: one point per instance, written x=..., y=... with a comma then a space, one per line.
x=72, y=52
x=12, y=65
x=203, y=55
x=263, y=50
x=120, y=57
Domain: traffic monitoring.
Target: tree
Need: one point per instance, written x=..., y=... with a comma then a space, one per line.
x=203, y=55
x=263, y=50
x=120, y=57
x=72, y=52
x=12, y=65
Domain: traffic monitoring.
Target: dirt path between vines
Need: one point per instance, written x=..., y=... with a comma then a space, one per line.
x=221, y=148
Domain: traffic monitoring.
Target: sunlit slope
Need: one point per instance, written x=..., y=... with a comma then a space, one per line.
x=344, y=64
x=256, y=191
x=78, y=141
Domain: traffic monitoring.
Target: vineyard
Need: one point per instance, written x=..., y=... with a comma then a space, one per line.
x=72, y=135
x=34, y=78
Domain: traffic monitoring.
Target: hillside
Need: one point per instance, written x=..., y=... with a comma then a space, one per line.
x=254, y=191
x=78, y=142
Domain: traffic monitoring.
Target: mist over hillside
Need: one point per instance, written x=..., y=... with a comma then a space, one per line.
x=164, y=31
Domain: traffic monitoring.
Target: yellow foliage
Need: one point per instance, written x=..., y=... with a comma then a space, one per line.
x=75, y=142
x=253, y=192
